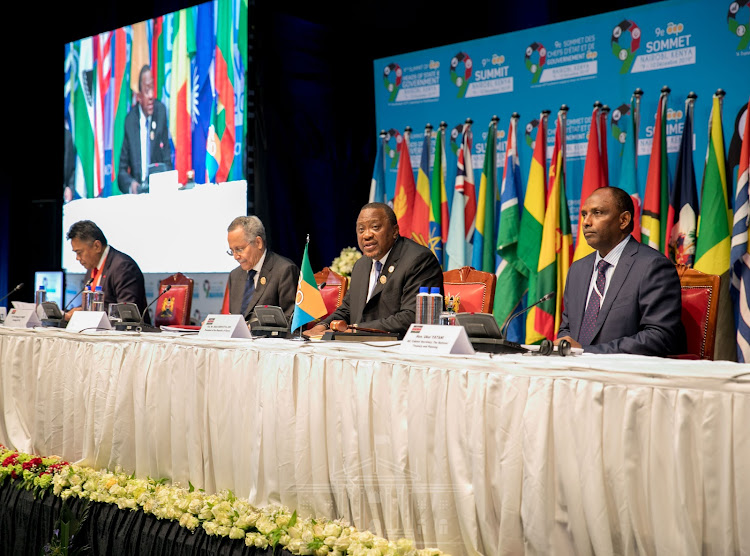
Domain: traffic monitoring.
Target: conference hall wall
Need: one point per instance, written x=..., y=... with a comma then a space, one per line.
x=198, y=58
x=687, y=45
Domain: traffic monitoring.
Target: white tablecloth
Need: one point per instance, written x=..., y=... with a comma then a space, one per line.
x=489, y=455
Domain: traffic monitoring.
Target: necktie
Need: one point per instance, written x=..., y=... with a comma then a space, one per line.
x=148, y=144
x=595, y=302
x=378, y=268
x=249, y=290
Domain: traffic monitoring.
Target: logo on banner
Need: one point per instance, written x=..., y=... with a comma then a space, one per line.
x=391, y=150
x=536, y=57
x=392, y=80
x=626, y=54
x=618, y=122
x=459, y=77
x=455, y=134
x=737, y=28
x=530, y=127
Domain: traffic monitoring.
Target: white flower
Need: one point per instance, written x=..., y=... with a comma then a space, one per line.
x=236, y=533
x=210, y=527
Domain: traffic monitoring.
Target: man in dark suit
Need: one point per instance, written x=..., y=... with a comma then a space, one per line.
x=118, y=274
x=625, y=296
x=385, y=282
x=263, y=277
x=146, y=140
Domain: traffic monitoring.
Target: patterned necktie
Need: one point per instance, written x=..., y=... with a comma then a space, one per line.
x=378, y=268
x=249, y=290
x=595, y=302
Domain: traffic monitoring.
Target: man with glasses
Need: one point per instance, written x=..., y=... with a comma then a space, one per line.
x=263, y=277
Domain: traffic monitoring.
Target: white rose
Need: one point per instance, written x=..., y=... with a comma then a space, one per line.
x=236, y=533
x=210, y=527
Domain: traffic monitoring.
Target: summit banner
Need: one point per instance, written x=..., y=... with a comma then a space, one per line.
x=687, y=45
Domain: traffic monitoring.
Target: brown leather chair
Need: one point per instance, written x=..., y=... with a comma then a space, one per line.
x=700, y=307
x=474, y=290
x=173, y=308
x=333, y=288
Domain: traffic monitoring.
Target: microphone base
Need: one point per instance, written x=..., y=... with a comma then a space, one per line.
x=269, y=332
x=136, y=327
x=54, y=323
x=496, y=345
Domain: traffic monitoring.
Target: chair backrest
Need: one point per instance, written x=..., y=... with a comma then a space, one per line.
x=474, y=290
x=173, y=308
x=700, y=307
x=334, y=289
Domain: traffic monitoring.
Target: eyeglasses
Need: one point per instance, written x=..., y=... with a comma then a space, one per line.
x=237, y=251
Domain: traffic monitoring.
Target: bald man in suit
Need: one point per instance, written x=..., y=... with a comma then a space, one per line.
x=624, y=297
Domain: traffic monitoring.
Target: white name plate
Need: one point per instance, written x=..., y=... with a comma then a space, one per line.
x=435, y=339
x=3, y=313
x=92, y=320
x=22, y=318
x=224, y=326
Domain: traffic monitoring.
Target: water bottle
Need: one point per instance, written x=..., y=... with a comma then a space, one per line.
x=86, y=299
x=97, y=302
x=40, y=296
x=436, y=305
x=423, y=299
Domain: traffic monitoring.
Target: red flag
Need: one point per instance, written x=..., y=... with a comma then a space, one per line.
x=403, y=201
x=656, y=201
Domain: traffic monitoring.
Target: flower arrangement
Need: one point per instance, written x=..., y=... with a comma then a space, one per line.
x=344, y=263
x=217, y=514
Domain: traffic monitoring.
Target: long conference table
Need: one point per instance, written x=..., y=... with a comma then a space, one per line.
x=512, y=454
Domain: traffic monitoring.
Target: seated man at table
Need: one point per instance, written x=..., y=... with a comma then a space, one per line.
x=263, y=277
x=118, y=274
x=385, y=282
x=625, y=296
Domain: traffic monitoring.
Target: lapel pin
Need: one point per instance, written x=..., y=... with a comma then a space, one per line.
x=153, y=124
x=152, y=135
x=263, y=280
x=383, y=279
x=391, y=269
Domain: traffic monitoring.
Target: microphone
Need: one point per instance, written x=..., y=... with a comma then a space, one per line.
x=11, y=292
x=142, y=326
x=86, y=285
x=506, y=324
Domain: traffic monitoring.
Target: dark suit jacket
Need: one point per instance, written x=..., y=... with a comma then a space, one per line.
x=130, y=155
x=642, y=308
x=122, y=281
x=392, y=306
x=280, y=288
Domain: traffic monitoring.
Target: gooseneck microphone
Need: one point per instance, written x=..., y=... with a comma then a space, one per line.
x=143, y=314
x=506, y=324
x=11, y=292
x=83, y=289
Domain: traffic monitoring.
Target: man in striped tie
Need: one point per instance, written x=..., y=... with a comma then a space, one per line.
x=625, y=296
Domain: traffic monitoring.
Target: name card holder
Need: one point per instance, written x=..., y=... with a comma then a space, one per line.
x=224, y=326
x=22, y=318
x=435, y=339
x=93, y=320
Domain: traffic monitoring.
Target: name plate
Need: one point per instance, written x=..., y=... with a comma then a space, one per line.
x=22, y=318
x=88, y=320
x=435, y=339
x=224, y=326
x=3, y=313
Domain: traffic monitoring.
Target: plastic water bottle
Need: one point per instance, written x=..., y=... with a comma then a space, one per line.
x=436, y=305
x=423, y=304
x=97, y=303
x=40, y=296
x=86, y=299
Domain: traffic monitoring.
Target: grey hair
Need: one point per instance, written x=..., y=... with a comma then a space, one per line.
x=252, y=226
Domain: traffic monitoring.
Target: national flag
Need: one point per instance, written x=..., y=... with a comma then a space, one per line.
x=238, y=170
x=403, y=202
x=683, y=207
x=180, y=101
x=511, y=282
x=309, y=304
x=213, y=148
x=629, y=168
x=377, y=185
x=420, y=220
x=713, y=242
x=484, y=249
x=168, y=33
x=202, y=94
x=224, y=82
x=740, y=252
x=102, y=113
x=438, y=198
x=532, y=220
x=593, y=176
x=603, y=135
x=656, y=198
x=157, y=54
x=121, y=101
x=83, y=115
x=139, y=53
x=463, y=211
x=556, y=250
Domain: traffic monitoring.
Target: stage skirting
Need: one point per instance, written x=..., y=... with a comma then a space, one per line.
x=473, y=455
